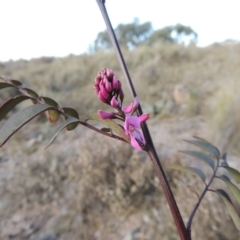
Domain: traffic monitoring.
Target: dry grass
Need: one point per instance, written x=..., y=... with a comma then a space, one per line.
x=88, y=187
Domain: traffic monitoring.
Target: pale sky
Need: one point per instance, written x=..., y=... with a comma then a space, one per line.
x=35, y=28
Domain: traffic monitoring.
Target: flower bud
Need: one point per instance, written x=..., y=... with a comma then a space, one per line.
x=96, y=87
x=97, y=80
x=108, y=86
x=114, y=103
x=109, y=73
x=144, y=117
x=104, y=92
x=101, y=97
x=105, y=115
x=115, y=83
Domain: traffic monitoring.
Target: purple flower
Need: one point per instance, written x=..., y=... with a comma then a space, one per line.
x=131, y=126
x=132, y=107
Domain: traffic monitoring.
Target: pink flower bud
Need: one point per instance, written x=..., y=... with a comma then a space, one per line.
x=97, y=80
x=108, y=86
x=101, y=97
x=104, y=92
x=100, y=75
x=96, y=87
x=144, y=117
x=105, y=115
x=115, y=83
x=109, y=73
x=114, y=103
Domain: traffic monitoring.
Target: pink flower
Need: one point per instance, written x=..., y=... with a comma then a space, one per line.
x=131, y=125
x=132, y=107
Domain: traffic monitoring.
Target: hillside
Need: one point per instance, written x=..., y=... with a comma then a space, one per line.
x=81, y=187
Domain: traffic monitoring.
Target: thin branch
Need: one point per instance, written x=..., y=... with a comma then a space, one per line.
x=201, y=197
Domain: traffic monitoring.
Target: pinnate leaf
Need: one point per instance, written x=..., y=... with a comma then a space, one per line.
x=232, y=211
x=232, y=187
x=191, y=170
x=70, y=120
x=112, y=125
x=206, y=146
x=19, y=119
x=202, y=156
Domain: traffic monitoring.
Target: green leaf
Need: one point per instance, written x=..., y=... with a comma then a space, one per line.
x=232, y=187
x=19, y=119
x=50, y=101
x=73, y=113
x=195, y=171
x=235, y=174
x=111, y=124
x=232, y=211
x=15, y=82
x=31, y=92
x=10, y=104
x=5, y=85
x=70, y=120
x=202, y=156
x=206, y=146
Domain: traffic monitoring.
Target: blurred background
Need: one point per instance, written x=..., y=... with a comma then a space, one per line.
x=183, y=57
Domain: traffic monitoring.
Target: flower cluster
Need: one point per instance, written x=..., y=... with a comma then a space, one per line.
x=108, y=87
x=109, y=90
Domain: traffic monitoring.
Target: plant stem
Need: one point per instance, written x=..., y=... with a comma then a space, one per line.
x=184, y=235
x=189, y=224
